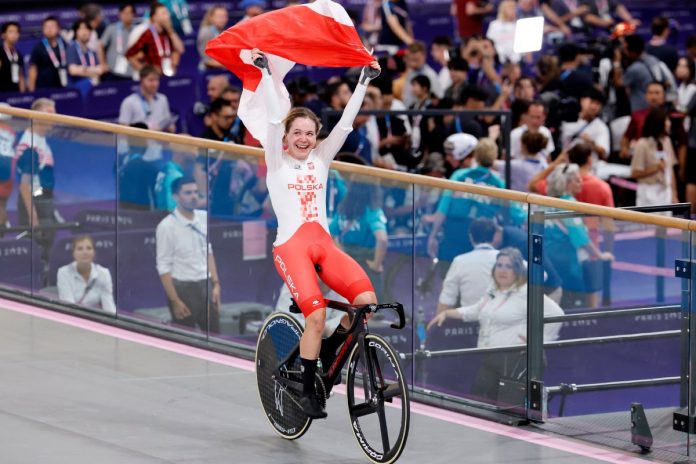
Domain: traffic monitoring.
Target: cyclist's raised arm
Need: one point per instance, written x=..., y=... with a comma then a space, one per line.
x=273, y=145
x=329, y=147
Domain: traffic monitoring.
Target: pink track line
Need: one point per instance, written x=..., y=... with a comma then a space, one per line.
x=569, y=446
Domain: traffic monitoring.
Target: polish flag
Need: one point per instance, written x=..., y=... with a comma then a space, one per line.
x=315, y=34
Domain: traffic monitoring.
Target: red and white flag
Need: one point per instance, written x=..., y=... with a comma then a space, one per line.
x=315, y=34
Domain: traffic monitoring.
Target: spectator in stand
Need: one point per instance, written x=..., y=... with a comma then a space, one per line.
x=420, y=90
x=593, y=189
x=186, y=264
x=35, y=170
x=49, y=60
x=115, y=41
x=182, y=164
x=480, y=56
x=336, y=96
x=159, y=45
x=589, y=128
x=658, y=46
x=459, y=150
x=213, y=24
x=396, y=30
x=179, y=14
x=642, y=70
x=473, y=99
x=220, y=116
x=440, y=52
x=11, y=61
x=238, y=133
x=655, y=97
x=147, y=105
x=252, y=8
x=548, y=74
x=686, y=77
x=501, y=312
x=602, y=12
x=687, y=164
x=533, y=120
x=7, y=154
x=363, y=140
x=502, y=32
x=653, y=160
x=371, y=22
x=568, y=15
x=84, y=67
x=84, y=282
x=458, y=71
x=416, y=65
x=470, y=15
x=574, y=82
x=530, y=163
x=216, y=85
x=691, y=46
x=456, y=212
x=566, y=242
x=470, y=273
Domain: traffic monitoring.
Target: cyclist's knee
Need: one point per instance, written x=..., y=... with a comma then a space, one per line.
x=365, y=298
x=314, y=323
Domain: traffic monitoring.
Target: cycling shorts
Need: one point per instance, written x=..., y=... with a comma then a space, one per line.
x=295, y=261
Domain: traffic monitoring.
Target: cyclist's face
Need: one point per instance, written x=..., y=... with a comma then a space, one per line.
x=301, y=138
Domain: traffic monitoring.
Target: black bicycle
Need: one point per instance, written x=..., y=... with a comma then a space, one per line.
x=374, y=377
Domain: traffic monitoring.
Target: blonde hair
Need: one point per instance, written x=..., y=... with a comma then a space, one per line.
x=502, y=6
x=205, y=22
x=486, y=152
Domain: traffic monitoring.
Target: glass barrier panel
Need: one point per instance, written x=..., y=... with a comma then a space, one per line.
x=241, y=233
x=72, y=181
x=162, y=235
x=20, y=257
x=470, y=300
x=622, y=344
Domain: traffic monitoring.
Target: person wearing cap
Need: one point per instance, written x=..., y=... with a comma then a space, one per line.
x=252, y=8
x=456, y=210
x=589, y=128
x=574, y=82
x=458, y=151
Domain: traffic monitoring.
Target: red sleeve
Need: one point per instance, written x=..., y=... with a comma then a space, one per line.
x=139, y=45
x=607, y=196
x=541, y=187
x=632, y=130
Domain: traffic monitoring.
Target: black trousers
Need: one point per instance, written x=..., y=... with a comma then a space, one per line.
x=197, y=296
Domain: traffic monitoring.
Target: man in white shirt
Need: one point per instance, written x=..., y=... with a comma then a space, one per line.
x=185, y=261
x=470, y=273
x=532, y=120
x=589, y=127
x=147, y=105
x=416, y=64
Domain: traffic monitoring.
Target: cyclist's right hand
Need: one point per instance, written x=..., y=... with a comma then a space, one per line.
x=258, y=58
x=181, y=311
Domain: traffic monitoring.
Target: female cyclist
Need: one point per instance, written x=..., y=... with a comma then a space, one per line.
x=298, y=169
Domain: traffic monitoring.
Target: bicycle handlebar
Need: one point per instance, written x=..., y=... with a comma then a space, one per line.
x=350, y=309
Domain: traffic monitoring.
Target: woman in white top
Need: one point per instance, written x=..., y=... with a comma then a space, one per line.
x=502, y=32
x=84, y=282
x=502, y=316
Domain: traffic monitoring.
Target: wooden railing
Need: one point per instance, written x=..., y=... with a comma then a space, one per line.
x=232, y=150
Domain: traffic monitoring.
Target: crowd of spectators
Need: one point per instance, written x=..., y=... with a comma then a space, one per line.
x=597, y=100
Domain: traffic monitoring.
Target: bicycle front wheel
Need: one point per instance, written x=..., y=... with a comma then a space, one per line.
x=374, y=378
x=279, y=338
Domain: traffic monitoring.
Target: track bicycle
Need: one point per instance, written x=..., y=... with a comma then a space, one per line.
x=374, y=377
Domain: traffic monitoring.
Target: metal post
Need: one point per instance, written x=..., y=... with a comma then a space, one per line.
x=507, y=128
x=535, y=318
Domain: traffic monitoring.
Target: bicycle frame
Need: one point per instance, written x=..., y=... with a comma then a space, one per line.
x=354, y=335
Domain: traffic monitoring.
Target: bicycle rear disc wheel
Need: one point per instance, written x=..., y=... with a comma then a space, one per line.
x=279, y=336
x=380, y=429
